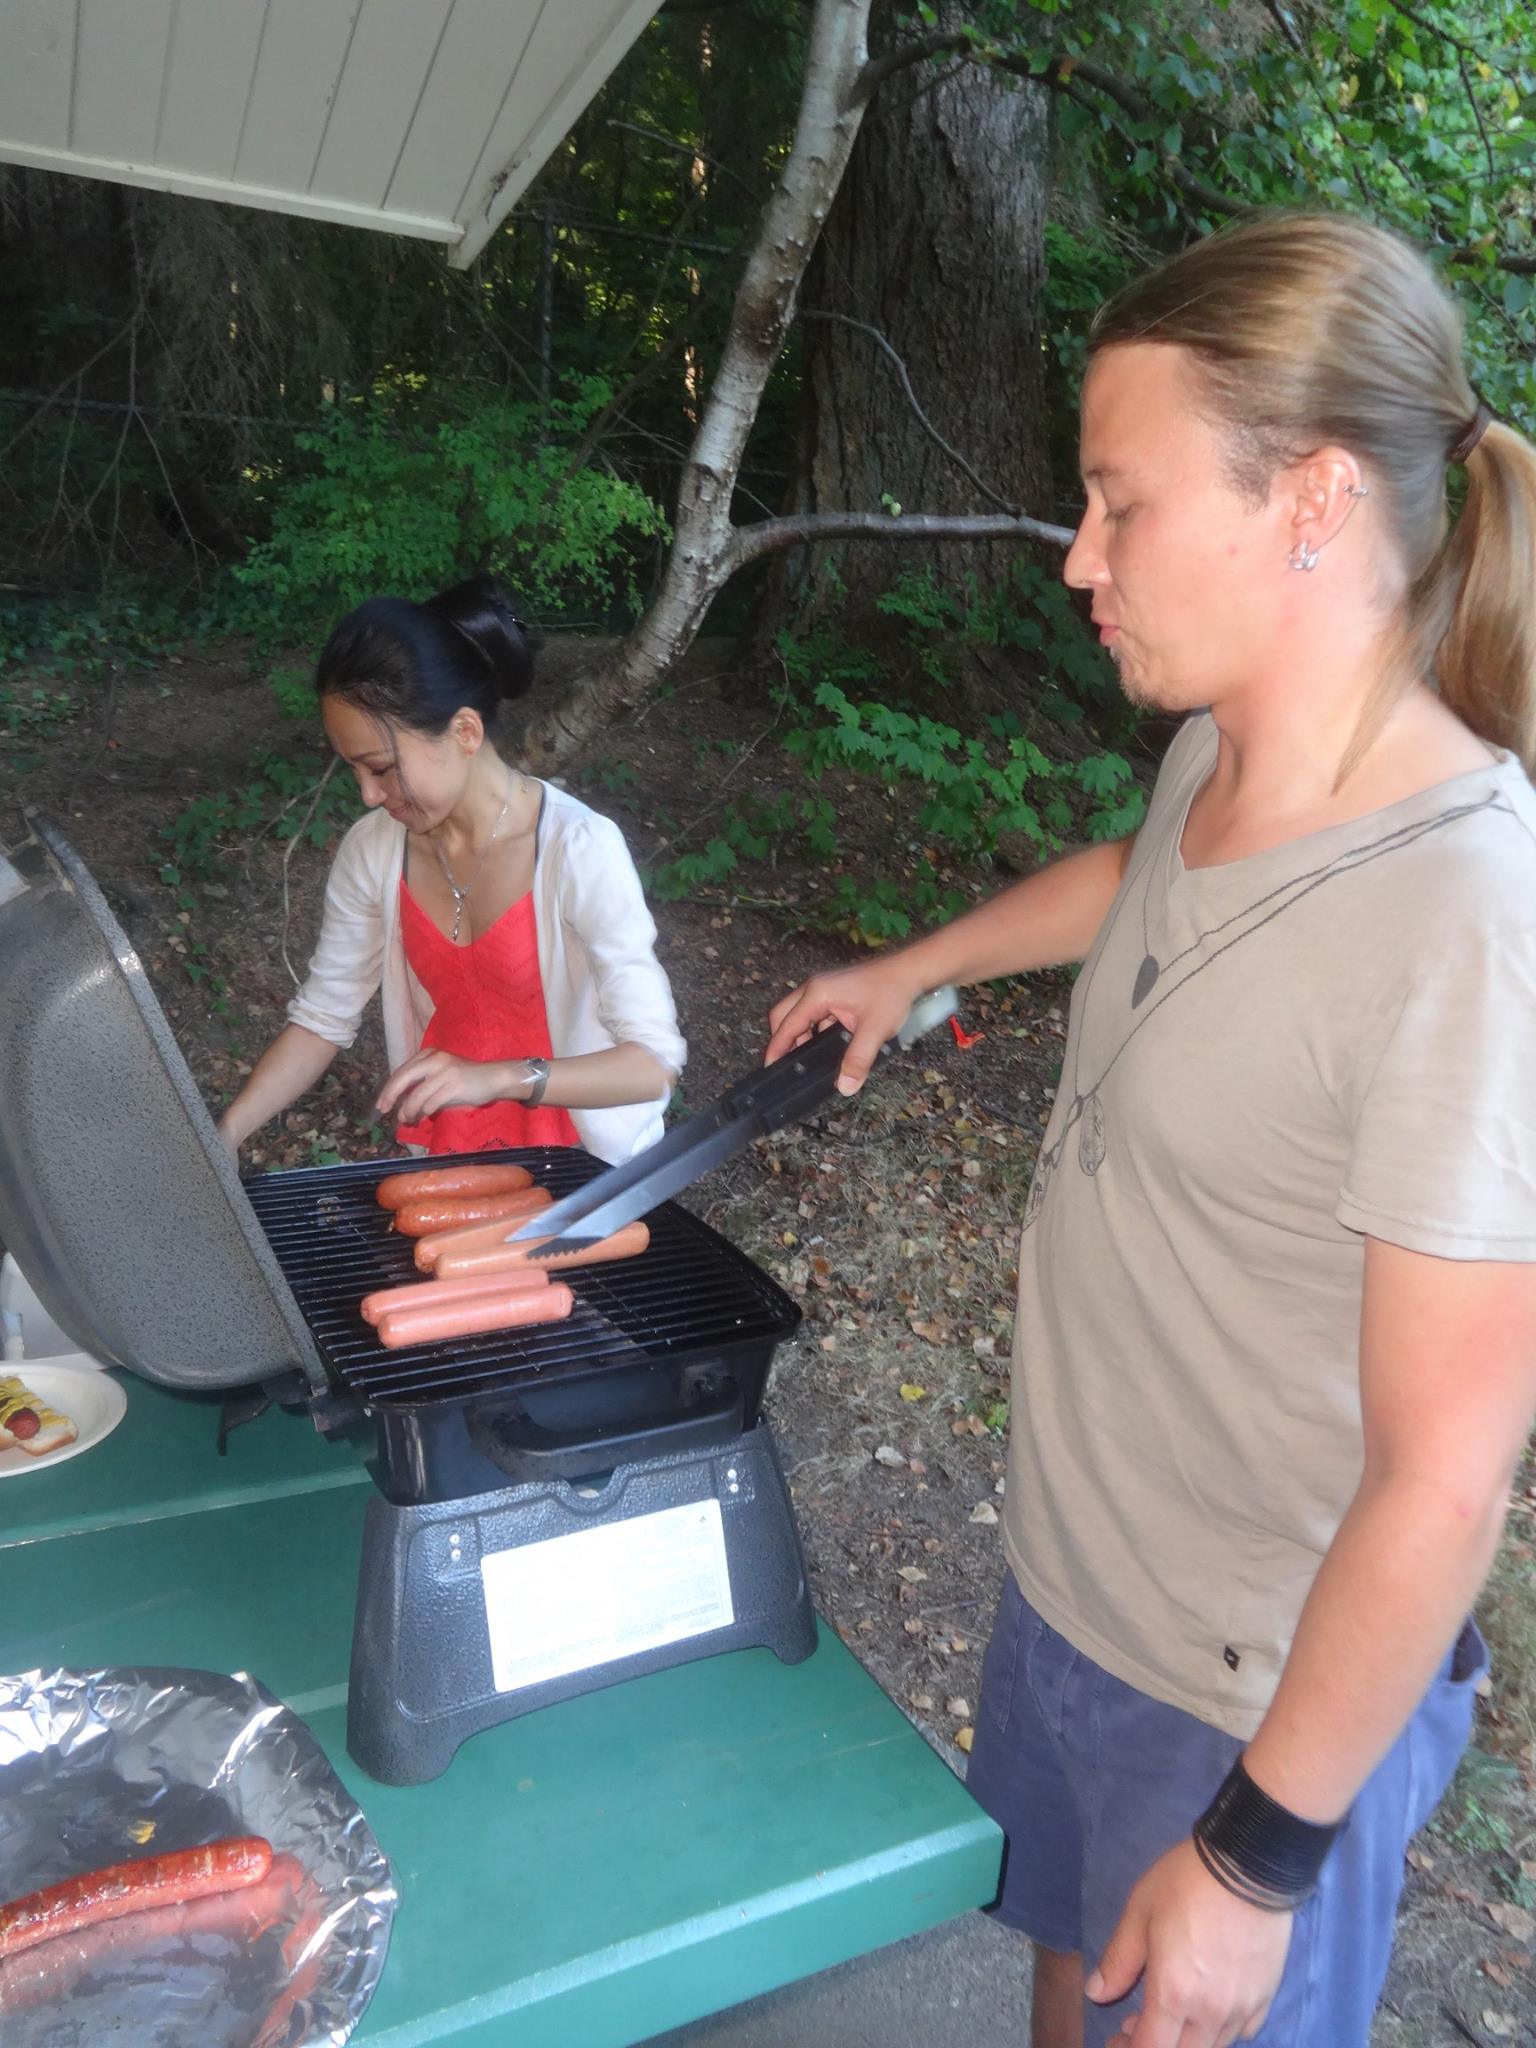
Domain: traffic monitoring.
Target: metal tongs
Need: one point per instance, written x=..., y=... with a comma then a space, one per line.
x=796, y=1083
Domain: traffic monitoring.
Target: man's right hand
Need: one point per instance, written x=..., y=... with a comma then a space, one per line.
x=871, y=1001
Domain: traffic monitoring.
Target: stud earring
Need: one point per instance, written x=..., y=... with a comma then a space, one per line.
x=1357, y=490
x=1303, y=557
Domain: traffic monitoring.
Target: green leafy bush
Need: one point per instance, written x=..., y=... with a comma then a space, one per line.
x=391, y=501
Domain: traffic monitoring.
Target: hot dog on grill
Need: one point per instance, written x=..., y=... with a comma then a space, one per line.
x=123, y=1888
x=463, y=1237
x=450, y=1184
x=424, y=1293
x=471, y=1315
x=627, y=1243
x=419, y=1219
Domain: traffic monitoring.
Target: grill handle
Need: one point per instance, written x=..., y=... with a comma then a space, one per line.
x=504, y=1432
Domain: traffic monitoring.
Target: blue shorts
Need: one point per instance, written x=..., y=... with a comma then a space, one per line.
x=1091, y=1782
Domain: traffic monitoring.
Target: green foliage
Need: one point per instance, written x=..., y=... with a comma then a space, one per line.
x=1029, y=612
x=29, y=716
x=200, y=838
x=976, y=794
x=86, y=642
x=973, y=791
x=293, y=691
x=401, y=495
x=1422, y=118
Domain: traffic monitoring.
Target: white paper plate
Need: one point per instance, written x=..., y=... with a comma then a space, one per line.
x=93, y=1401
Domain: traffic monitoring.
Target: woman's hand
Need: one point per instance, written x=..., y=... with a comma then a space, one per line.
x=871, y=1001
x=432, y=1080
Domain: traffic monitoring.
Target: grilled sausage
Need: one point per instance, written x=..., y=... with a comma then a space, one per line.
x=627, y=1243
x=450, y=1184
x=422, y=1293
x=125, y=1888
x=503, y=1308
x=46, y=1974
x=464, y=1237
x=423, y=1218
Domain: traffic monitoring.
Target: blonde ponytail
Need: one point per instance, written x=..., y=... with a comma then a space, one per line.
x=1485, y=658
x=1312, y=329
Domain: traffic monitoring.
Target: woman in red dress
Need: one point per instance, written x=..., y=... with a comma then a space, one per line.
x=501, y=920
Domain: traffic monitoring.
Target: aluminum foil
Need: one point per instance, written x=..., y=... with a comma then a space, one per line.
x=98, y=1767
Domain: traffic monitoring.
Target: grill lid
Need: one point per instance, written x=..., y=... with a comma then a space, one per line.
x=116, y=1195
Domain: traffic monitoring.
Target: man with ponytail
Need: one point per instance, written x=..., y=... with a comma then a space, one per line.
x=1275, y=1355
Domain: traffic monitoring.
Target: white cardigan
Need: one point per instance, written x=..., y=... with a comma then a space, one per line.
x=603, y=984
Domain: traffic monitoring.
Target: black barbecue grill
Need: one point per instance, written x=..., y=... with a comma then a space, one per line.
x=671, y=1347
x=641, y=1410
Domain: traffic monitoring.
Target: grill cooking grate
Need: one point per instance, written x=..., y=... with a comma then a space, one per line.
x=691, y=1291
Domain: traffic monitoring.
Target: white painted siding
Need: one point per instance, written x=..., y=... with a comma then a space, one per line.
x=418, y=117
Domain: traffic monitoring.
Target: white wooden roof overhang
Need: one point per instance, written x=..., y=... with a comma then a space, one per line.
x=414, y=117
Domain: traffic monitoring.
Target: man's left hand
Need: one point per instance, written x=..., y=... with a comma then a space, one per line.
x=1212, y=1963
x=430, y=1081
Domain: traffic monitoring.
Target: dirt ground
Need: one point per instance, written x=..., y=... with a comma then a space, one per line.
x=891, y=1219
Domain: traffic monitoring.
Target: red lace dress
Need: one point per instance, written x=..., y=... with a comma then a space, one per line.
x=489, y=1006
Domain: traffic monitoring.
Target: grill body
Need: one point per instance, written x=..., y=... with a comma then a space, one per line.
x=665, y=1353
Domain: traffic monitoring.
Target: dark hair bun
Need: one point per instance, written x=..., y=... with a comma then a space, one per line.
x=417, y=665
x=481, y=610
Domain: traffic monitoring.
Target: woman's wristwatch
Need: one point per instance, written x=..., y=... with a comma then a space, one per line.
x=537, y=1071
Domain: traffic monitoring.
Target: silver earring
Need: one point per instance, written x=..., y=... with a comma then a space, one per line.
x=1357, y=490
x=1303, y=557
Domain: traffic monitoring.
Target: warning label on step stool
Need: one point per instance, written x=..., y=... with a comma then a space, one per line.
x=573, y=1602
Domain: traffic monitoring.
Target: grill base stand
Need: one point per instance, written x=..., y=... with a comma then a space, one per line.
x=422, y=1678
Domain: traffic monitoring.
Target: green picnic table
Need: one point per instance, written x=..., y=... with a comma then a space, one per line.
x=587, y=1876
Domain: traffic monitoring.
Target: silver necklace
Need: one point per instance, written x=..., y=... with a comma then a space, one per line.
x=462, y=896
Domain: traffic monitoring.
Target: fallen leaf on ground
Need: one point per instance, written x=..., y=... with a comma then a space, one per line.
x=912, y=1573
x=910, y=1391
x=887, y=1454
x=1500, y=2024
x=1514, y=1920
x=964, y=1739
x=960, y=1708
x=985, y=1514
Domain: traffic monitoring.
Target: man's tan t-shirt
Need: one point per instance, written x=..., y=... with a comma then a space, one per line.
x=1266, y=1061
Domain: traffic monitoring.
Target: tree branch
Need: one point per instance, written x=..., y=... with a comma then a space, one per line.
x=1193, y=188
x=862, y=327
x=941, y=43
x=1477, y=112
x=769, y=536
x=1434, y=28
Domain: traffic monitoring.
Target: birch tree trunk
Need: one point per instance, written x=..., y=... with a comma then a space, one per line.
x=831, y=111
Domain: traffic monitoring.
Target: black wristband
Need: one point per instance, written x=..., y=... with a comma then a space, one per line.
x=1258, y=1848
